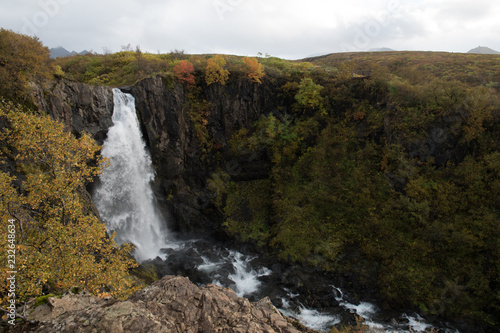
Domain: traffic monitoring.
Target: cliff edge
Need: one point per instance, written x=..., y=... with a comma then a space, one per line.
x=172, y=304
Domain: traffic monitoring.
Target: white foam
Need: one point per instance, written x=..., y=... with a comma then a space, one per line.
x=417, y=323
x=286, y=303
x=208, y=266
x=313, y=319
x=363, y=309
x=245, y=278
x=367, y=310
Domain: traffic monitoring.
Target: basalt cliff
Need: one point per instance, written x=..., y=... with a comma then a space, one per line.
x=181, y=166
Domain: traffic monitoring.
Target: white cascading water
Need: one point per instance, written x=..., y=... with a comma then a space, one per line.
x=124, y=196
x=245, y=278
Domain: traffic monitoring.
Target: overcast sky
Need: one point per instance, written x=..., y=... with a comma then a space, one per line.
x=284, y=28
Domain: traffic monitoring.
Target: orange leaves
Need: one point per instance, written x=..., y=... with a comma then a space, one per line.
x=254, y=69
x=183, y=71
x=215, y=71
x=358, y=114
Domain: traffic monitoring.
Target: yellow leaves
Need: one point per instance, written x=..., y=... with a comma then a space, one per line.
x=309, y=95
x=345, y=70
x=255, y=71
x=420, y=188
x=23, y=59
x=215, y=71
x=62, y=244
x=104, y=295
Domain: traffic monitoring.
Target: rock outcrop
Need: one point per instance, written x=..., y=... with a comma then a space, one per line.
x=80, y=107
x=172, y=304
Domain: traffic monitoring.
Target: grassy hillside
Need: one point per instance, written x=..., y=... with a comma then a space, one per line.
x=473, y=69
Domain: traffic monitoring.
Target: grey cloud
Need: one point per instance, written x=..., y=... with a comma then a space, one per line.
x=466, y=10
x=279, y=28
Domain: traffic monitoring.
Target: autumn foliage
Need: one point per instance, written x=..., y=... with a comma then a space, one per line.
x=183, y=71
x=22, y=59
x=60, y=243
x=215, y=71
x=392, y=178
x=309, y=95
x=254, y=69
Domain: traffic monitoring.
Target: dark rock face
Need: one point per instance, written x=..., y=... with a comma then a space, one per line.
x=164, y=113
x=78, y=106
x=172, y=304
x=182, y=170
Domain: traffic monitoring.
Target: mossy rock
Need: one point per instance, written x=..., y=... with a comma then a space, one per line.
x=168, y=80
x=146, y=273
x=43, y=299
x=76, y=290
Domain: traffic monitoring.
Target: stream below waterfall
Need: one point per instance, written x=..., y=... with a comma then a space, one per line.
x=125, y=200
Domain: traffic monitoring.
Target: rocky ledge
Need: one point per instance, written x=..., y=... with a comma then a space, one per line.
x=172, y=304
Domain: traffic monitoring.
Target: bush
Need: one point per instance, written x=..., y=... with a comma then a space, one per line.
x=59, y=242
x=22, y=59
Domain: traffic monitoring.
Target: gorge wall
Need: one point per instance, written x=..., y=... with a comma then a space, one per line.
x=373, y=140
x=164, y=112
x=80, y=107
x=182, y=167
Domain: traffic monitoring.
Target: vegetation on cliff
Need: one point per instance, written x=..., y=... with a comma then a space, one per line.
x=22, y=60
x=382, y=165
x=390, y=177
x=128, y=67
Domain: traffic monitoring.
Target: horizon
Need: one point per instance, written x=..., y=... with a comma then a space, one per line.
x=262, y=55
x=288, y=30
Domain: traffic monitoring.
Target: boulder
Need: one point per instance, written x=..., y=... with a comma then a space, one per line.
x=172, y=304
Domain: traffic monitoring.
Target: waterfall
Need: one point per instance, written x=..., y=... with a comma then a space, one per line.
x=126, y=202
x=124, y=196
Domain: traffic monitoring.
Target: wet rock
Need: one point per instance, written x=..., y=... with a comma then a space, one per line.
x=276, y=268
x=167, y=251
x=348, y=318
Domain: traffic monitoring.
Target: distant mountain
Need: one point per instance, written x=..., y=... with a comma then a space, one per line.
x=59, y=52
x=62, y=52
x=381, y=49
x=483, y=50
